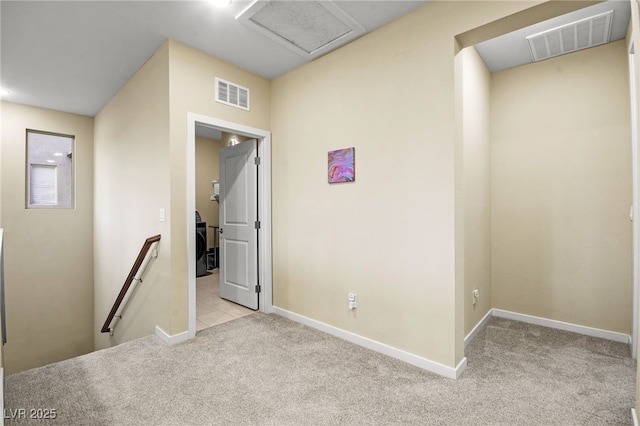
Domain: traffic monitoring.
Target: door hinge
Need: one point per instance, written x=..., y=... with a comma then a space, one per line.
x=258, y=288
x=257, y=224
x=257, y=161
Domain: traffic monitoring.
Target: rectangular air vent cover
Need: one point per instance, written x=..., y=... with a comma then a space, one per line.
x=232, y=94
x=310, y=28
x=582, y=34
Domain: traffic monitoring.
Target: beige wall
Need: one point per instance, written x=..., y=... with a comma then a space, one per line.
x=206, y=171
x=48, y=253
x=390, y=235
x=131, y=185
x=476, y=93
x=141, y=145
x=562, y=189
x=395, y=236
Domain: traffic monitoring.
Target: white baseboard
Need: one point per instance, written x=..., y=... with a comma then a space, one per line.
x=424, y=363
x=478, y=328
x=172, y=340
x=441, y=369
x=635, y=417
x=580, y=329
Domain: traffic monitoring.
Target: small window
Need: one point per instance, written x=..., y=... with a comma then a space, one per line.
x=49, y=170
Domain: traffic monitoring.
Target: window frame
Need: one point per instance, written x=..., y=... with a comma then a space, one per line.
x=28, y=166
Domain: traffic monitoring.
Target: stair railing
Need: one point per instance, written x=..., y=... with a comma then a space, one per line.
x=106, y=328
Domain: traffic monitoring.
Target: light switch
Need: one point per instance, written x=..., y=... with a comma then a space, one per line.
x=163, y=215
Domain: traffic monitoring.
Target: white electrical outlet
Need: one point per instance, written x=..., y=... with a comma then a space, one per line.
x=352, y=301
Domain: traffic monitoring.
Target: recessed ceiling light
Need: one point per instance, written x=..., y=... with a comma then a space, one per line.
x=220, y=3
x=4, y=92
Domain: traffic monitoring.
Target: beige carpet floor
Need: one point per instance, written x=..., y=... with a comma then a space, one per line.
x=267, y=370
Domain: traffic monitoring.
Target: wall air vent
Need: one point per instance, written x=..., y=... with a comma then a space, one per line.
x=582, y=34
x=232, y=94
x=310, y=28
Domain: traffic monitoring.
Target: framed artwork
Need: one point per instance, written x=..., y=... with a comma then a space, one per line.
x=341, y=165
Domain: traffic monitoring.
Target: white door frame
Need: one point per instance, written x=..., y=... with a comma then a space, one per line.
x=264, y=209
x=635, y=207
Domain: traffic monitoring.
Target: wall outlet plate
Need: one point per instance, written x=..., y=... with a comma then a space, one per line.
x=352, y=301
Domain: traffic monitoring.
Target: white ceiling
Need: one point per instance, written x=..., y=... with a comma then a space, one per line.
x=74, y=56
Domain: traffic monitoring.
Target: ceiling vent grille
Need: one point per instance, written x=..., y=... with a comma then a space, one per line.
x=232, y=94
x=582, y=34
x=310, y=28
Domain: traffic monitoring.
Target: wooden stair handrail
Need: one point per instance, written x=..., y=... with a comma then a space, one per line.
x=125, y=287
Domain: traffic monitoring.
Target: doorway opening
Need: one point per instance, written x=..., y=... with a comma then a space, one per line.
x=200, y=122
x=224, y=293
x=550, y=297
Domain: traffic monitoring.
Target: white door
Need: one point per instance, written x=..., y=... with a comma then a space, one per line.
x=239, y=224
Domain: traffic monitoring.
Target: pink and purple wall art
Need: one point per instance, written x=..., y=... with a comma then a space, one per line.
x=342, y=165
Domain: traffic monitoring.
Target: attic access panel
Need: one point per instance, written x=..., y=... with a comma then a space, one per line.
x=309, y=28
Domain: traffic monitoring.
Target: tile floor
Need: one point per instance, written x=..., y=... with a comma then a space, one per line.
x=210, y=308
